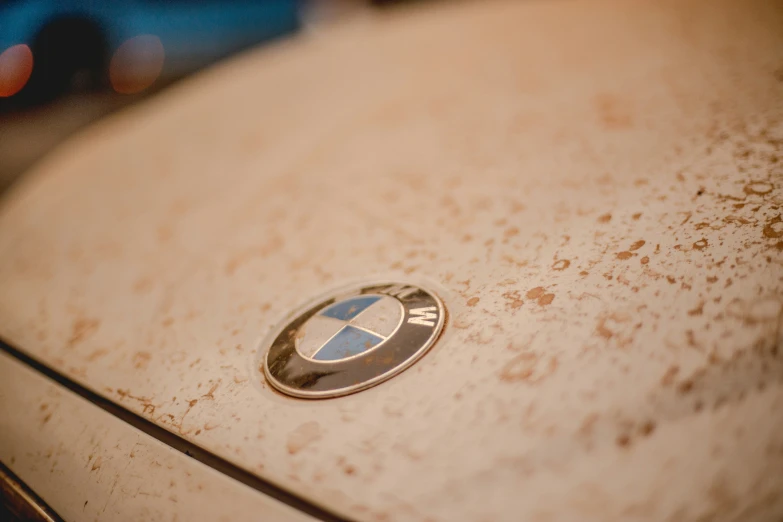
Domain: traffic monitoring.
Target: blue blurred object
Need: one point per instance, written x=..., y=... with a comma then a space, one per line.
x=72, y=41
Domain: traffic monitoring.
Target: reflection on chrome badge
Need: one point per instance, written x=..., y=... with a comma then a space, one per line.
x=353, y=339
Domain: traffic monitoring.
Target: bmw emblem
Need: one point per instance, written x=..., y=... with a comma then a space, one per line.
x=353, y=339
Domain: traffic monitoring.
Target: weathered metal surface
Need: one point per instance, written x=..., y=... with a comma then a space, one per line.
x=597, y=186
x=89, y=465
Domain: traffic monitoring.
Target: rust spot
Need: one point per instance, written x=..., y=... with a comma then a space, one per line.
x=625, y=255
x=47, y=418
x=167, y=321
x=636, y=216
x=624, y=440
x=644, y=260
x=637, y=245
x=605, y=218
x=546, y=299
x=473, y=301
x=511, y=232
x=701, y=244
x=561, y=264
x=97, y=464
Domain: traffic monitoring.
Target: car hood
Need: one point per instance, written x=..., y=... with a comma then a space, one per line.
x=595, y=190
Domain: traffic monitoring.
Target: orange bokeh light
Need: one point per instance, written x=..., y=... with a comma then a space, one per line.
x=136, y=64
x=16, y=66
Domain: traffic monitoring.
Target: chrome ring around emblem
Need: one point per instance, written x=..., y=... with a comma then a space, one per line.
x=353, y=339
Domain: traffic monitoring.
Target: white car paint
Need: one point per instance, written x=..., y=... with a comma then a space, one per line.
x=93, y=466
x=596, y=185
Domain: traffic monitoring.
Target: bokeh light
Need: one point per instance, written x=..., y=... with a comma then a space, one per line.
x=136, y=64
x=16, y=66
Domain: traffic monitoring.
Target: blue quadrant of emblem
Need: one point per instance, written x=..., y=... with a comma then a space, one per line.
x=350, y=308
x=348, y=341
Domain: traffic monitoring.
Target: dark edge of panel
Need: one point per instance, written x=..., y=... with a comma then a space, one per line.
x=173, y=441
x=19, y=502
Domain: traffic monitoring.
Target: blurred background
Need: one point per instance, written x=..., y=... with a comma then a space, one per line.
x=66, y=63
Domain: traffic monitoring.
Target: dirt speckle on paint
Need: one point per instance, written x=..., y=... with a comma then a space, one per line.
x=81, y=329
x=303, y=436
x=613, y=114
x=602, y=330
x=528, y=367
x=624, y=440
x=513, y=300
x=759, y=188
x=273, y=244
x=540, y=295
x=774, y=228
x=97, y=354
x=698, y=310
x=685, y=386
x=141, y=360
x=142, y=285
x=647, y=428
x=701, y=244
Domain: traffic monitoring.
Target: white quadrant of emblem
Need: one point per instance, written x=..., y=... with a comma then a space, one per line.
x=349, y=327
